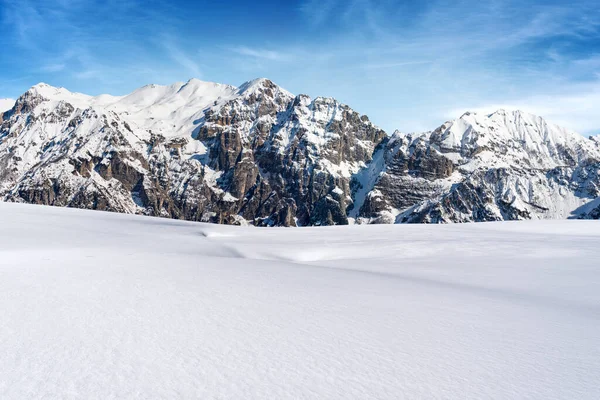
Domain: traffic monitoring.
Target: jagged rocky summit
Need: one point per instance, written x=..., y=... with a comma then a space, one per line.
x=259, y=155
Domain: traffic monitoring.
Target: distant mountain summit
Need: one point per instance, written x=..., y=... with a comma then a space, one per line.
x=502, y=166
x=257, y=154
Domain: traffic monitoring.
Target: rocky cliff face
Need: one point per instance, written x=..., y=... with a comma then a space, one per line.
x=200, y=151
x=259, y=155
x=503, y=166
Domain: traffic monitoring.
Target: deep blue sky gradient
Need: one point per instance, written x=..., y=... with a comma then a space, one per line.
x=409, y=65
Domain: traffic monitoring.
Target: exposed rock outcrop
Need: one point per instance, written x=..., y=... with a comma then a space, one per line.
x=256, y=154
x=259, y=155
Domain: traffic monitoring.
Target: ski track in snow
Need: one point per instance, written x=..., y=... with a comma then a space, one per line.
x=97, y=305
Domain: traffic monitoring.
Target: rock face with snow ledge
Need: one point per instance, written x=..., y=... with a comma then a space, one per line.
x=258, y=154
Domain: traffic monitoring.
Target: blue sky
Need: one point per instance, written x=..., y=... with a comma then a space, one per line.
x=409, y=65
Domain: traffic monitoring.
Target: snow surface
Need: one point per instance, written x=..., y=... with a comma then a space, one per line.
x=108, y=306
x=6, y=104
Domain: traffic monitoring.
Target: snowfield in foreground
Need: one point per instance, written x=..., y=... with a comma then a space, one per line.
x=96, y=305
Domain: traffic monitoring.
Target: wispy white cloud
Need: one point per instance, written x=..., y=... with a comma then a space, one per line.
x=395, y=64
x=366, y=14
x=182, y=58
x=25, y=19
x=447, y=57
x=575, y=107
x=63, y=47
x=87, y=74
x=53, y=67
x=406, y=64
x=318, y=11
x=264, y=54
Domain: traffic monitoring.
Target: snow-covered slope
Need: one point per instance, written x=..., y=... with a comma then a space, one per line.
x=6, y=104
x=109, y=306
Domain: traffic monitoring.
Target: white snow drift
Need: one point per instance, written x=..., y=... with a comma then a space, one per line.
x=6, y=104
x=106, y=306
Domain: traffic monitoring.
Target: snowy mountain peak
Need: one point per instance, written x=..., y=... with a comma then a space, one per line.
x=505, y=165
x=505, y=137
x=197, y=84
x=49, y=92
x=42, y=85
x=262, y=85
x=502, y=111
x=194, y=150
x=258, y=154
x=254, y=83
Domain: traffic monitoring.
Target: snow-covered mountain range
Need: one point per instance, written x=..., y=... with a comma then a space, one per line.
x=257, y=154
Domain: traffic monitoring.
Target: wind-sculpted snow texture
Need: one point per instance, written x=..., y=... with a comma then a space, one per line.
x=259, y=155
x=101, y=305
